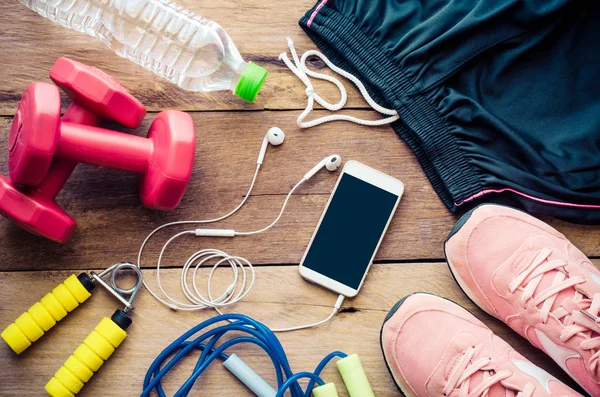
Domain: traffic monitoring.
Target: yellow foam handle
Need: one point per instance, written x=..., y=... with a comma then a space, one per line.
x=327, y=390
x=87, y=359
x=31, y=325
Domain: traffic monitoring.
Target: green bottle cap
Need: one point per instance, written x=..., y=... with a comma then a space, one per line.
x=251, y=81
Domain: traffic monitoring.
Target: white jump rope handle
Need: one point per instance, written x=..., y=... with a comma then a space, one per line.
x=248, y=377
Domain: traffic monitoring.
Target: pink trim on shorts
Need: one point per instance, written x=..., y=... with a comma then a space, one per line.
x=315, y=12
x=551, y=202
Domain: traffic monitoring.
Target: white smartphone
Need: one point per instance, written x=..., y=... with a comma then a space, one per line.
x=351, y=229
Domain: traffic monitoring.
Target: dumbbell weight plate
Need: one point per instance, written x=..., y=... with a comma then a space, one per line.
x=174, y=146
x=98, y=92
x=35, y=212
x=34, y=134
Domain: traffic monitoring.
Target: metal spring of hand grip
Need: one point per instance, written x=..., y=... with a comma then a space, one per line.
x=112, y=286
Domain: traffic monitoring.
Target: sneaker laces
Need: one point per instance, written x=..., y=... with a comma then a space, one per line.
x=579, y=314
x=460, y=377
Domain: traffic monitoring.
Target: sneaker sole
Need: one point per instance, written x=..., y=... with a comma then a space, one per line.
x=466, y=290
x=461, y=283
x=393, y=311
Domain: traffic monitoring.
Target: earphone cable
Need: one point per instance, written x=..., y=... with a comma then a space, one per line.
x=231, y=295
x=152, y=233
x=285, y=203
x=239, y=267
x=236, y=209
x=336, y=309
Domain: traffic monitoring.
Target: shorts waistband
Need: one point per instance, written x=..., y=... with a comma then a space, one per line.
x=420, y=125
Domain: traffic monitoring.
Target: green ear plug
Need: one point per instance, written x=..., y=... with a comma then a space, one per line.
x=354, y=377
x=327, y=390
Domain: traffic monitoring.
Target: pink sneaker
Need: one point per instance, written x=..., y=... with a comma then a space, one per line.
x=434, y=347
x=523, y=272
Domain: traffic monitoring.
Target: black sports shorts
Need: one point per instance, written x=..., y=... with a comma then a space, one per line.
x=499, y=100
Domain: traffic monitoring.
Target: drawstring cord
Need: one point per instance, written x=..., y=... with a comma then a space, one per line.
x=300, y=69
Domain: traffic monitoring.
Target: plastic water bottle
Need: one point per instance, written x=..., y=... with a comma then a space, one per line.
x=163, y=37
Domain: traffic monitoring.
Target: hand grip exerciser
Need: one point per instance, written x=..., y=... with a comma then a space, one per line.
x=99, y=344
x=95, y=96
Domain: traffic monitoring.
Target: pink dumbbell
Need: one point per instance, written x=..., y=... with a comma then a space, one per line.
x=165, y=157
x=94, y=95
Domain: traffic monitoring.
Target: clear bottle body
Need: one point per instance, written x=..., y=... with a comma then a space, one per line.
x=174, y=43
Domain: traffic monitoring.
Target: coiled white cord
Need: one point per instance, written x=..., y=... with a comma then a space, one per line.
x=241, y=284
x=300, y=69
x=234, y=292
x=225, y=258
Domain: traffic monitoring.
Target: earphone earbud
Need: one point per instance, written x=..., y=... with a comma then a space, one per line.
x=275, y=136
x=332, y=163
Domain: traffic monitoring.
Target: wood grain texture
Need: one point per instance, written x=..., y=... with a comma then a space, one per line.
x=258, y=29
x=112, y=222
x=279, y=298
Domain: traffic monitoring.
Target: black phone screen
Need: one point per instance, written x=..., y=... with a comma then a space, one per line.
x=350, y=231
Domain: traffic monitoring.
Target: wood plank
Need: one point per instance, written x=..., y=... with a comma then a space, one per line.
x=258, y=28
x=112, y=223
x=279, y=298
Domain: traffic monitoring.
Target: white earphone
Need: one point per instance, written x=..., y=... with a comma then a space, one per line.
x=332, y=163
x=275, y=136
x=240, y=285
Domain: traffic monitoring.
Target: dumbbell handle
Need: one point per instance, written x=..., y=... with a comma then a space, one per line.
x=78, y=114
x=104, y=148
x=61, y=170
x=87, y=359
x=43, y=315
x=55, y=179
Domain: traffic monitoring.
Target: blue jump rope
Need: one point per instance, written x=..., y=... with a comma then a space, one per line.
x=260, y=335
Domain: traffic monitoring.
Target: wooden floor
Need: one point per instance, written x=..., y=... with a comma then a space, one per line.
x=112, y=223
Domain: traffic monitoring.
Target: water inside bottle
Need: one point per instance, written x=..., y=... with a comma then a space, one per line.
x=157, y=34
x=163, y=37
